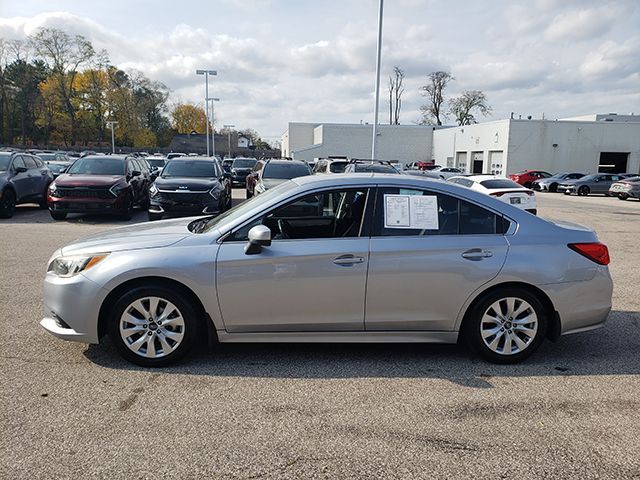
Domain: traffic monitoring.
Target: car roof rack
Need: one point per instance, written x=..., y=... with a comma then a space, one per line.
x=368, y=160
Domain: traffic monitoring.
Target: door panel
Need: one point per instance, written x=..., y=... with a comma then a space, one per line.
x=420, y=283
x=293, y=285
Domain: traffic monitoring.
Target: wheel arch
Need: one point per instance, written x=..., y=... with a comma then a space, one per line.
x=554, y=326
x=148, y=281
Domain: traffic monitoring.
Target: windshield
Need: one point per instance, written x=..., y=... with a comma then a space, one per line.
x=500, y=183
x=243, y=163
x=337, y=167
x=285, y=170
x=5, y=160
x=156, y=162
x=238, y=211
x=98, y=166
x=47, y=156
x=190, y=168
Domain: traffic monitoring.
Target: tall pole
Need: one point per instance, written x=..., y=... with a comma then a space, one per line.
x=111, y=125
x=379, y=54
x=206, y=74
x=213, y=123
x=229, y=127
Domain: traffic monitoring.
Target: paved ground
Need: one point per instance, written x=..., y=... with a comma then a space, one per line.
x=320, y=411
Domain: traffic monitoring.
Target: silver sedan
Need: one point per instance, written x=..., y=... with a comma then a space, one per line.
x=349, y=258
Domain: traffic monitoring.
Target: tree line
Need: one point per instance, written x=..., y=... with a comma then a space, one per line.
x=437, y=108
x=57, y=89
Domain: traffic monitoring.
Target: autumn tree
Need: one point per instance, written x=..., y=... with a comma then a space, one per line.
x=433, y=111
x=187, y=118
x=396, y=89
x=64, y=55
x=462, y=107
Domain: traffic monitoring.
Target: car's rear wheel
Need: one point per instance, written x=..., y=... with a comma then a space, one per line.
x=584, y=191
x=506, y=326
x=127, y=212
x=153, y=326
x=622, y=196
x=58, y=215
x=154, y=216
x=7, y=204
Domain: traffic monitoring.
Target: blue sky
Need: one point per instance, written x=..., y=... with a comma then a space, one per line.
x=281, y=61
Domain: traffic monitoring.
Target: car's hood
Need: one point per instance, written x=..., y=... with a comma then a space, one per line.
x=272, y=182
x=80, y=180
x=132, y=237
x=242, y=170
x=185, y=183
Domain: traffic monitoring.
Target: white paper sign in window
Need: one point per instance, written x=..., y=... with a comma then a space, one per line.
x=411, y=211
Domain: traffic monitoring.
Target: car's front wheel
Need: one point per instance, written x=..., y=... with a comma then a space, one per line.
x=7, y=204
x=553, y=187
x=622, y=196
x=153, y=326
x=506, y=326
x=583, y=191
x=57, y=215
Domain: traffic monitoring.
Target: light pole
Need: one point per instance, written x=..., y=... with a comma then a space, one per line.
x=229, y=127
x=206, y=74
x=213, y=124
x=111, y=125
x=379, y=54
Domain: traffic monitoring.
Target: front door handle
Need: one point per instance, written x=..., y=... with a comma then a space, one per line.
x=347, y=260
x=477, y=254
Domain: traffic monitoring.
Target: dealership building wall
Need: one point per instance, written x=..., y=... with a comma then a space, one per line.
x=405, y=143
x=508, y=146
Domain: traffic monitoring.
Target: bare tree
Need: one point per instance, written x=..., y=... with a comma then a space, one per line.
x=432, y=111
x=462, y=107
x=396, y=89
x=64, y=56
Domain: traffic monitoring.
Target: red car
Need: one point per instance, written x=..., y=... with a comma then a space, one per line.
x=527, y=177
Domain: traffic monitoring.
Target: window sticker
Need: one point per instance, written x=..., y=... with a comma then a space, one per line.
x=411, y=211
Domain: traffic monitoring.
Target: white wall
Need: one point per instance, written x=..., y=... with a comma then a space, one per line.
x=299, y=135
x=579, y=144
x=406, y=143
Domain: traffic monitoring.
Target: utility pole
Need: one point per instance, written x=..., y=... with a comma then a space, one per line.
x=206, y=74
x=379, y=54
x=111, y=125
x=229, y=127
x=213, y=124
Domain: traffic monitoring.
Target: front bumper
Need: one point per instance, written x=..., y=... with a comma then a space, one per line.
x=189, y=203
x=86, y=205
x=567, y=189
x=71, y=307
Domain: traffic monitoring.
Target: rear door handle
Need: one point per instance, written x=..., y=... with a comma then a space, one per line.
x=477, y=254
x=347, y=260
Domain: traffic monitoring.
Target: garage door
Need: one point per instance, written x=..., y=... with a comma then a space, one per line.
x=495, y=162
x=461, y=161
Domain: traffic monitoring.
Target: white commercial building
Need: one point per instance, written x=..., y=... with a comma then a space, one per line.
x=405, y=143
x=591, y=143
x=595, y=143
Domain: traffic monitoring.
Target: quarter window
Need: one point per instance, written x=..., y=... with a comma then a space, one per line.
x=30, y=162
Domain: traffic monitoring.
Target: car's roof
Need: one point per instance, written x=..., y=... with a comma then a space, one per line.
x=103, y=157
x=283, y=161
x=193, y=158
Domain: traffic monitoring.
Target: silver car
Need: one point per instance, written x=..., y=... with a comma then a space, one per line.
x=336, y=258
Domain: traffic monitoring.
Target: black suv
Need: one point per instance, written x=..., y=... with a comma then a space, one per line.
x=190, y=185
x=240, y=168
x=269, y=173
x=24, y=178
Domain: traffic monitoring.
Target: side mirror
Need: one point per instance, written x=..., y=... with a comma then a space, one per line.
x=136, y=173
x=63, y=170
x=21, y=169
x=259, y=236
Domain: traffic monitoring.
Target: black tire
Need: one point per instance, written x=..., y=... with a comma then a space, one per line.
x=249, y=194
x=474, y=321
x=184, y=305
x=58, y=215
x=43, y=203
x=622, y=196
x=127, y=213
x=584, y=191
x=7, y=204
x=553, y=187
x=155, y=216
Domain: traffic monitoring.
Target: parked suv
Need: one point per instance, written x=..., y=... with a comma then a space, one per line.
x=240, y=168
x=527, y=177
x=190, y=185
x=327, y=166
x=269, y=173
x=111, y=184
x=23, y=179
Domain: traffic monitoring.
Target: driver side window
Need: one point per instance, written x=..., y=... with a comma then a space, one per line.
x=329, y=214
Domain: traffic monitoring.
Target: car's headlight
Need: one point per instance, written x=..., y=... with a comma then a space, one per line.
x=215, y=193
x=233, y=171
x=117, y=188
x=260, y=187
x=153, y=190
x=68, y=266
x=52, y=186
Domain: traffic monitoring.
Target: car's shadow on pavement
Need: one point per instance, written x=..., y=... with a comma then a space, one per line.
x=612, y=350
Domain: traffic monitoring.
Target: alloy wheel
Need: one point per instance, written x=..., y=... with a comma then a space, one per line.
x=509, y=326
x=152, y=327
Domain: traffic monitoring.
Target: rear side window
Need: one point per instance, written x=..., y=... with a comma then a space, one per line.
x=18, y=162
x=39, y=163
x=441, y=215
x=30, y=162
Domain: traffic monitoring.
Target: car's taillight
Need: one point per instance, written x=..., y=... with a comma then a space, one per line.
x=497, y=194
x=531, y=193
x=596, y=251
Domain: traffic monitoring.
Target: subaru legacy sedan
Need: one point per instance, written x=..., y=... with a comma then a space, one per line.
x=401, y=258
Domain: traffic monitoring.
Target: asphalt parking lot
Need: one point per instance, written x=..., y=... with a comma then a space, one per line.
x=318, y=411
